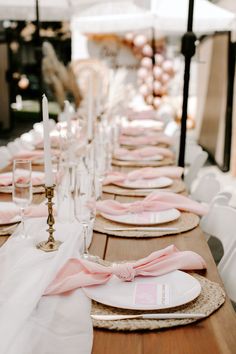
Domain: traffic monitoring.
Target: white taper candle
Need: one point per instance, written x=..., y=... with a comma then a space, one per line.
x=68, y=116
x=90, y=108
x=47, y=145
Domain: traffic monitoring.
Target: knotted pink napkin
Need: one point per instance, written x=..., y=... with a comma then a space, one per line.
x=156, y=201
x=149, y=151
x=28, y=154
x=143, y=173
x=32, y=154
x=34, y=211
x=141, y=114
x=136, y=131
x=78, y=273
x=6, y=179
x=146, y=140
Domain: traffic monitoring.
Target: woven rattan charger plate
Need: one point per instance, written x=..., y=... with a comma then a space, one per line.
x=210, y=299
x=178, y=186
x=186, y=222
x=144, y=163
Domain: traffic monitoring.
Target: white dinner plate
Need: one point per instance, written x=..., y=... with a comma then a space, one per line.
x=147, y=293
x=9, y=206
x=160, y=182
x=145, y=218
x=146, y=158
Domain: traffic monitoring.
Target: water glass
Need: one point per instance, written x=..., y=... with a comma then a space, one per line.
x=22, y=188
x=84, y=201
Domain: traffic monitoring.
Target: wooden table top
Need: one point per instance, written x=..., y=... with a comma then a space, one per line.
x=215, y=334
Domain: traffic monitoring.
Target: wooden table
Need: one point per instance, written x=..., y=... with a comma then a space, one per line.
x=214, y=335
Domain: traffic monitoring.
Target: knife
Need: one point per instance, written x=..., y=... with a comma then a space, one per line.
x=141, y=228
x=153, y=316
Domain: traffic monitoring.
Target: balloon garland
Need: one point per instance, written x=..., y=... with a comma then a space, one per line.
x=155, y=70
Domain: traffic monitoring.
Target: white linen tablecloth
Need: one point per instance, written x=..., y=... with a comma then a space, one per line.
x=29, y=322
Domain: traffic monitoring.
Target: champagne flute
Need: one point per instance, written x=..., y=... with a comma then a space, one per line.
x=84, y=202
x=22, y=188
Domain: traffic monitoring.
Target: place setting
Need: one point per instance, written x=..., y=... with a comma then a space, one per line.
x=151, y=156
x=158, y=214
x=150, y=293
x=141, y=182
x=22, y=183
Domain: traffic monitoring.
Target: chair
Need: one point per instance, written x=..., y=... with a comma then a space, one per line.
x=5, y=156
x=206, y=189
x=227, y=270
x=220, y=222
x=198, y=161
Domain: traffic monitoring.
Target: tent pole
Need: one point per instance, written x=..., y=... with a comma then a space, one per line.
x=38, y=51
x=188, y=50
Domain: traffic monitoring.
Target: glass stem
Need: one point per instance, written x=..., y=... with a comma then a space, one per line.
x=85, y=235
x=22, y=214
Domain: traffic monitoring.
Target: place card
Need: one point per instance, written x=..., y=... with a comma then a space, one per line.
x=151, y=294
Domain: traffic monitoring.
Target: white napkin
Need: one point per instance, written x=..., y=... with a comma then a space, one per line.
x=30, y=323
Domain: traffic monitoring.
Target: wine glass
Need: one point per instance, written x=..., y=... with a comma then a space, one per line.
x=84, y=201
x=22, y=188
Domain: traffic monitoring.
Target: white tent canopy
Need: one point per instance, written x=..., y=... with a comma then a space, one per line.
x=49, y=10
x=110, y=16
x=167, y=16
x=171, y=16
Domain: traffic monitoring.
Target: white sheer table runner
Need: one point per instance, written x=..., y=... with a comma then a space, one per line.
x=29, y=322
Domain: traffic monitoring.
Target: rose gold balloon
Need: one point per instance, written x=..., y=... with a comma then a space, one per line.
x=149, y=83
x=129, y=37
x=157, y=87
x=164, y=90
x=159, y=59
x=157, y=72
x=143, y=89
x=142, y=73
x=147, y=50
x=167, y=66
x=156, y=102
x=140, y=40
x=165, y=78
x=149, y=99
x=146, y=62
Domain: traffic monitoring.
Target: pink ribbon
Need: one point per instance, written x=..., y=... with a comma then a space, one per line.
x=78, y=273
x=156, y=201
x=149, y=151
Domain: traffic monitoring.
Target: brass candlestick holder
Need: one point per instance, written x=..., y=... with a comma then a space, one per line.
x=51, y=244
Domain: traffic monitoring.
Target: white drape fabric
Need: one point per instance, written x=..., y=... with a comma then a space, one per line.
x=29, y=322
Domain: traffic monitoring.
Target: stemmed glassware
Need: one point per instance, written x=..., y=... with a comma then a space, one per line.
x=22, y=188
x=84, y=201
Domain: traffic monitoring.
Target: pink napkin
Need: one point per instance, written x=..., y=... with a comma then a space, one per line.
x=54, y=140
x=137, y=131
x=156, y=201
x=6, y=179
x=78, y=273
x=132, y=131
x=144, y=152
x=28, y=154
x=143, y=173
x=146, y=140
x=32, y=154
x=141, y=114
x=34, y=211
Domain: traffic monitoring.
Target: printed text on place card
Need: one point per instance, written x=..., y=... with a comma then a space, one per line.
x=151, y=294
